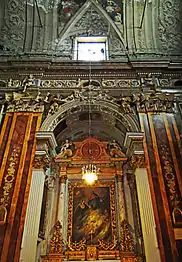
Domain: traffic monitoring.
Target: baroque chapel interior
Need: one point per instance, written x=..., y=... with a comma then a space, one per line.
x=90, y=130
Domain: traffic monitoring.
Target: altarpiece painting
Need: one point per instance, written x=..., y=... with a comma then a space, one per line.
x=92, y=213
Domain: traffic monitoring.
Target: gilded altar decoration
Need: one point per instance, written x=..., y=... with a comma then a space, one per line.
x=56, y=243
x=107, y=245
x=91, y=253
x=126, y=241
x=91, y=214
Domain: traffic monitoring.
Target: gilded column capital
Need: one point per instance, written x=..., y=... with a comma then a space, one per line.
x=41, y=162
x=137, y=161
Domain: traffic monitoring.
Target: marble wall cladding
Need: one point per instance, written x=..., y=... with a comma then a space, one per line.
x=162, y=150
x=15, y=177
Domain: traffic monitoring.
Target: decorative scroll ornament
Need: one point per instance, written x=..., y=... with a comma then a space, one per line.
x=9, y=178
x=56, y=244
x=41, y=162
x=78, y=246
x=107, y=246
x=23, y=102
x=169, y=175
x=126, y=241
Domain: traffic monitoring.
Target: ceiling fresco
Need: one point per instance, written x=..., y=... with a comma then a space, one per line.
x=67, y=8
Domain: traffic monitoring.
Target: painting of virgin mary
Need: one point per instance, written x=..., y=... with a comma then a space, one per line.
x=91, y=215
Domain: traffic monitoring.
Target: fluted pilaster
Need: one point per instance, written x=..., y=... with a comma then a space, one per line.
x=31, y=229
x=147, y=216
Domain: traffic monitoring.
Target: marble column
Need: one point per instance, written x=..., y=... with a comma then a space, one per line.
x=61, y=201
x=31, y=228
x=147, y=216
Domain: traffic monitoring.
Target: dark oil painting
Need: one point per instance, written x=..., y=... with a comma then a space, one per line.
x=91, y=215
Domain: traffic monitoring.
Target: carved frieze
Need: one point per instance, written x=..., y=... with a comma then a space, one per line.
x=125, y=81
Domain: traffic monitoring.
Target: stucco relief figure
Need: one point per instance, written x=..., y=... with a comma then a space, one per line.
x=115, y=150
x=27, y=82
x=66, y=150
x=150, y=81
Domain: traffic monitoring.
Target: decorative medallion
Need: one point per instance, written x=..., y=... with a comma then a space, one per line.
x=91, y=150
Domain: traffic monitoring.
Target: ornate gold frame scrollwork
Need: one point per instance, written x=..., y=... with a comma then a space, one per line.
x=81, y=246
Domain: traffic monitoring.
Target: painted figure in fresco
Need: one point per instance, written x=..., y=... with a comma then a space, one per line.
x=113, y=10
x=91, y=219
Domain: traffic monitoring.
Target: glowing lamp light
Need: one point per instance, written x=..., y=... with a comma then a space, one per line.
x=90, y=173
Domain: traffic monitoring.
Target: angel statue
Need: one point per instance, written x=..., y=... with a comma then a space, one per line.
x=115, y=150
x=66, y=150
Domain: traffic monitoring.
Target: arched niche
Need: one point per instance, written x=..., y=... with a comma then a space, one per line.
x=111, y=121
